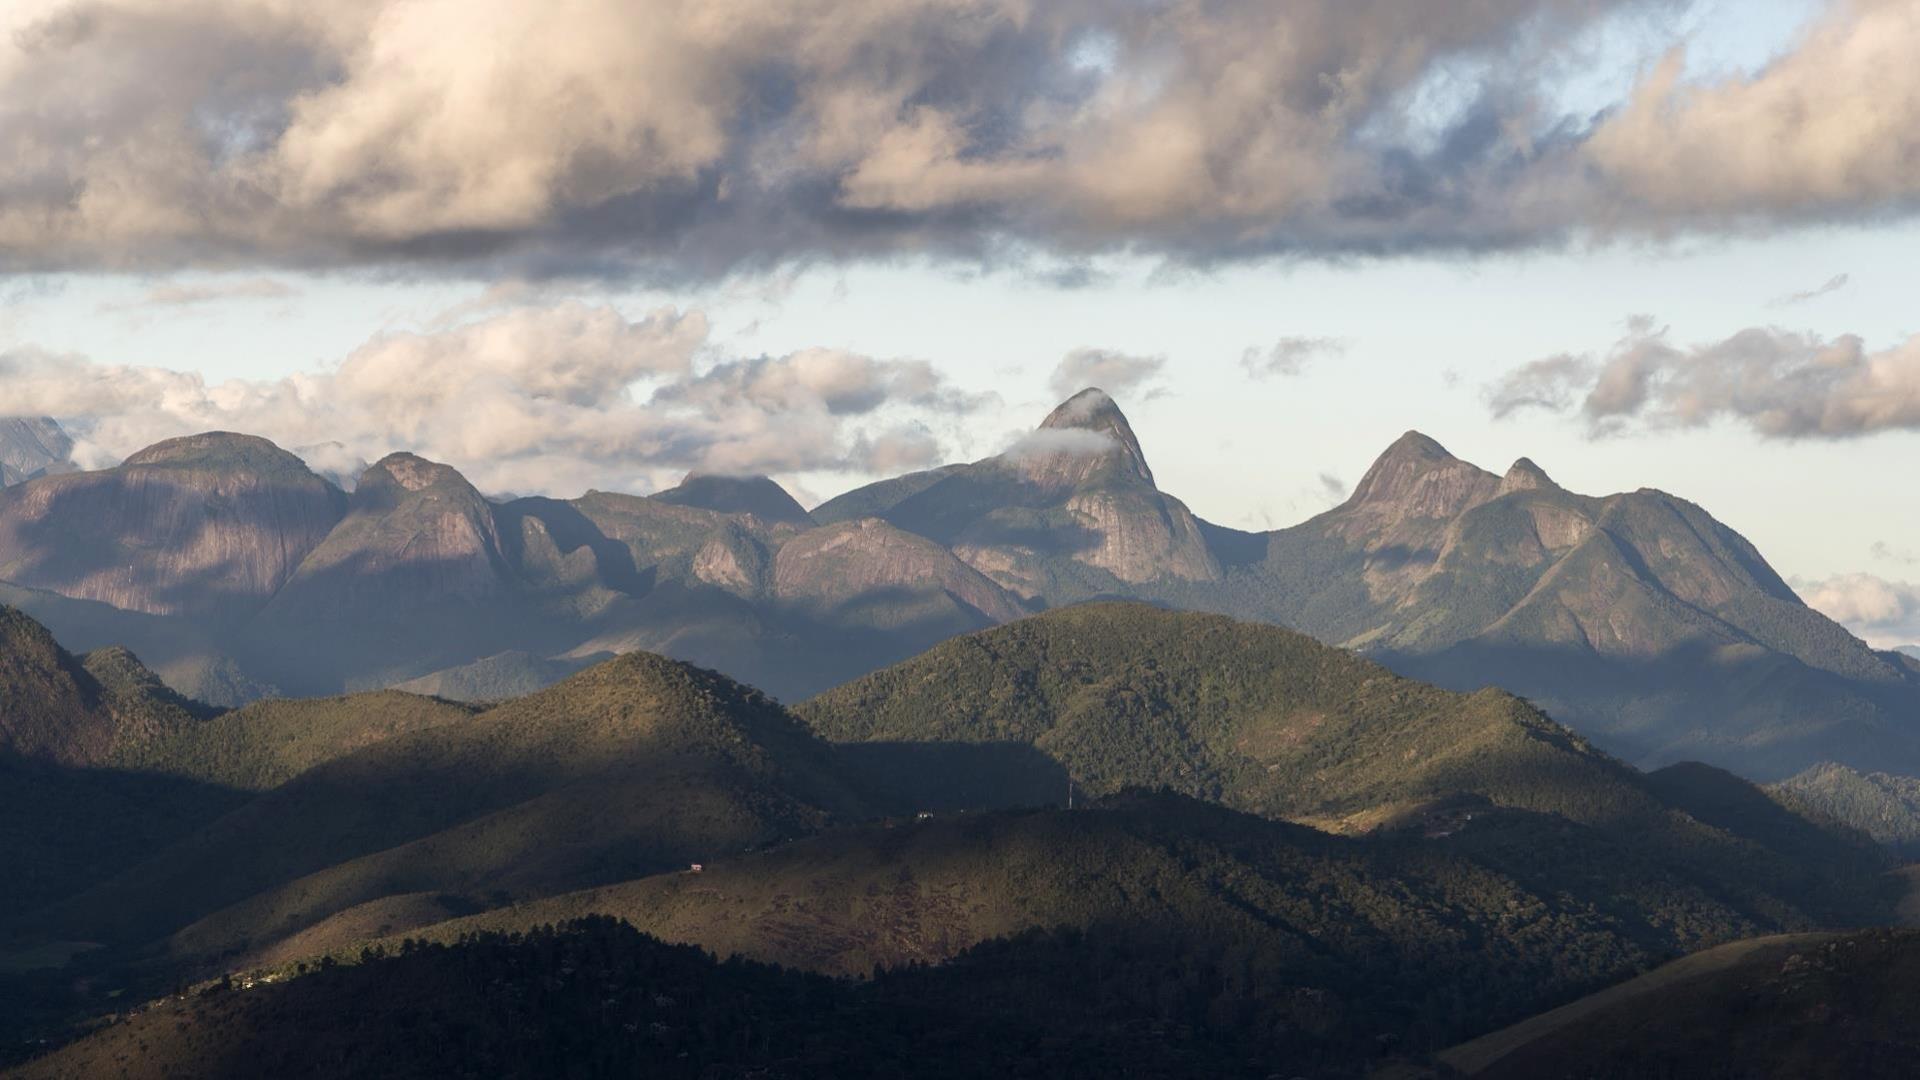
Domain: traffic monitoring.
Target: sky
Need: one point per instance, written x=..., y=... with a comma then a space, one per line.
x=1647, y=243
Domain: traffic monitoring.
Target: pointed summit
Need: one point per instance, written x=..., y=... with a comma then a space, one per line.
x=1418, y=478
x=410, y=471
x=1524, y=475
x=1091, y=410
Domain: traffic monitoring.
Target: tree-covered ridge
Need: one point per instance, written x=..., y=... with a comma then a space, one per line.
x=1453, y=895
x=72, y=710
x=1272, y=722
x=267, y=743
x=1203, y=941
x=628, y=768
x=596, y=998
x=1819, y=1007
x=1884, y=806
x=1254, y=716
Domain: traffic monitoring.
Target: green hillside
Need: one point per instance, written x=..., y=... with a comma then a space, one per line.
x=597, y=999
x=1809, y=1008
x=63, y=829
x=1283, y=938
x=1884, y=806
x=1272, y=722
x=270, y=742
x=78, y=711
x=632, y=766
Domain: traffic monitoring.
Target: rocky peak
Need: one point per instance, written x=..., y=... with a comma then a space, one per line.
x=756, y=495
x=1085, y=437
x=31, y=446
x=222, y=451
x=1417, y=477
x=411, y=472
x=1524, y=475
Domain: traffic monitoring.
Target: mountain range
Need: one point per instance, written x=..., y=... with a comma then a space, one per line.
x=1636, y=618
x=1277, y=851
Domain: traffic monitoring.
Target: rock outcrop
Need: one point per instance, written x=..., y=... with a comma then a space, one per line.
x=208, y=525
x=31, y=447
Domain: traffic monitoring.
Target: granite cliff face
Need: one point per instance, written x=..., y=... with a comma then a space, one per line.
x=871, y=574
x=1069, y=512
x=206, y=526
x=416, y=532
x=1636, y=617
x=33, y=446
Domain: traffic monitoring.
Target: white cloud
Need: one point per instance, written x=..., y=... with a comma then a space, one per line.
x=550, y=398
x=1831, y=285
x=1829, y=128
x=1883, y=613
x=1781, y=383
x=1289, y=356
x=691, y=137
x=1117, y=373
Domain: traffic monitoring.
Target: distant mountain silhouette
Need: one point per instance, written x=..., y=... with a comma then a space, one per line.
x=32, y=447
x=1636, y=618
x=754, y=495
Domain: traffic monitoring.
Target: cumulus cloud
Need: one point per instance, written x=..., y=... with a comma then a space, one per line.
x=1548, y=383
x=551, y=398
x=1119, y=374
x=1883, y=613
x=1288, y=356
x=694, y=137
x=1780, y=383
x=1831, y=285
x=1825, y=130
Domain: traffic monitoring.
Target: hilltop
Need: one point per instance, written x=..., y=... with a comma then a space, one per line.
x=634, y=765
x=58, y=708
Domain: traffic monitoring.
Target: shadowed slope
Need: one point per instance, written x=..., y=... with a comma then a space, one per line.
x=265, y=744
x=55, y=707
x=638, y=737
x=203, y=526
x=1817, y=1006
x=1272, y=722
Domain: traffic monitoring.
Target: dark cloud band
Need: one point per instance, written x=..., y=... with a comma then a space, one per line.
x=691, y=138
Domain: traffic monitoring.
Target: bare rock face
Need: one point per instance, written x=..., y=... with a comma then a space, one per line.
x=1140, y=543
x=416, y=533
x=33, y=446
x=1417, y=480
x=209, y=524
x=1076, y=495
x=1524, y=475
x=734, y=560
x=868, y=573
x=1084, y=440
